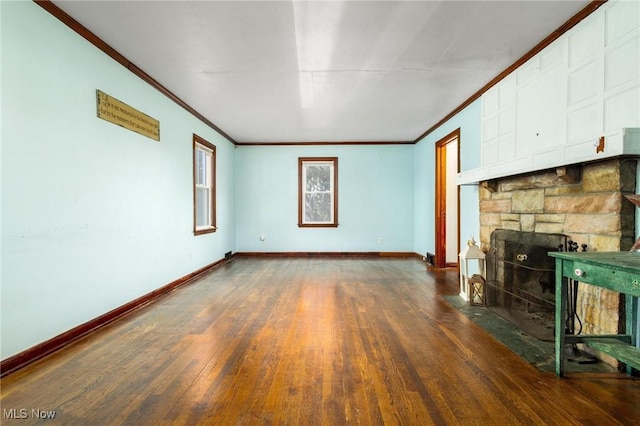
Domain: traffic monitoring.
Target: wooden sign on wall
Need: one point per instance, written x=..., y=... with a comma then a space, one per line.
x=116, y=112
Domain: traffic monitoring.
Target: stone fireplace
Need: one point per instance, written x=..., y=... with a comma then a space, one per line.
x=584, y=202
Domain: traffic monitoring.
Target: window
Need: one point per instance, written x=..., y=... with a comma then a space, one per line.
x=318, y=192
x=204, y=186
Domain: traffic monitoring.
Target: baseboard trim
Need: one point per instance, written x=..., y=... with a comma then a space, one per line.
x=35, y=353
x=346, y=254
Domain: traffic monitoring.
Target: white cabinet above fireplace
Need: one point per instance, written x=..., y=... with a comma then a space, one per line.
x=577, y=100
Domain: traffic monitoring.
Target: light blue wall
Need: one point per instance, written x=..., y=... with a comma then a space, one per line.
x=468, y=120
x=93, y=215
x=375, y=199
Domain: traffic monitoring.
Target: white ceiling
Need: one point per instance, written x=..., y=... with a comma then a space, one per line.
x=310, y=71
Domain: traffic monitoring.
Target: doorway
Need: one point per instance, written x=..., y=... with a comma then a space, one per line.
x=447, y=200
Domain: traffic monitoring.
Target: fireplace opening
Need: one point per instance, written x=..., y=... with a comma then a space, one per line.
x=520, y=284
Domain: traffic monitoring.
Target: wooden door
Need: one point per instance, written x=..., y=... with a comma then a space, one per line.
x=447, y=200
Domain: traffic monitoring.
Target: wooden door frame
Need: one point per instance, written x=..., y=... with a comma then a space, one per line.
x=441, y=199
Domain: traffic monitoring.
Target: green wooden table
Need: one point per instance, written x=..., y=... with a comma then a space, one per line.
x=618, y=271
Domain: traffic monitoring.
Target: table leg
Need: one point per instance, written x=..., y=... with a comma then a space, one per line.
x=631, y=313
x=561, y=312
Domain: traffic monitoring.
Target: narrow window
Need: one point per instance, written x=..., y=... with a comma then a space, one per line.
x=318, y=192
x=204, y=186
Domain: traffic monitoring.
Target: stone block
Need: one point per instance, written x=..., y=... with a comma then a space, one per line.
x=604, y=243
x=485, y=237
x=610, y=302
x=511, y=224
x=490, y=219
x=594, y=223
x=628, y=218
x=601, y=176
x=501, y=195
x=628, y=175
x=538, y=180
x=517, y=183
x=599, y=309
x=549, y=228
x=529, y=201
x=550, y=218
x=484, y=193
x=495, y=206
x=587, y=203
x=563, y=190
x=509, y=216
x=528, y=222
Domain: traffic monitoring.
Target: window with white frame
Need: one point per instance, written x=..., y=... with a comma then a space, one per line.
x=318, y=192
x=204, y=186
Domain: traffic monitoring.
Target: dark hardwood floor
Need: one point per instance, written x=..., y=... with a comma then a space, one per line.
x=326, y=341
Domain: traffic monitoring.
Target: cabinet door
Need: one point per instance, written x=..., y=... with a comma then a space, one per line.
x=585, y=85
x=585, y=106
x=541, y=112
x=498, y=123
x=622, y=66
x=506, y=119
x=490, y=106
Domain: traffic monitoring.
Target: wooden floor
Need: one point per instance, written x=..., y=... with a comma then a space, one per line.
x=326, y=341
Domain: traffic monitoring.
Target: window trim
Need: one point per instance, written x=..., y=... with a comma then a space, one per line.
x=198, y=141
x=301, y=164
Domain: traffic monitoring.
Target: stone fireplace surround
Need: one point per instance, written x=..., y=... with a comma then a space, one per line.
x=585, y=202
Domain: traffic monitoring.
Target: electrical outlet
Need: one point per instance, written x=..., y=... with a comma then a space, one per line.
x=379, y=240
x=262, y=238
x=190, y=255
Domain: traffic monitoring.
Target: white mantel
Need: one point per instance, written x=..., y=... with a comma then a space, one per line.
x=624, y=143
